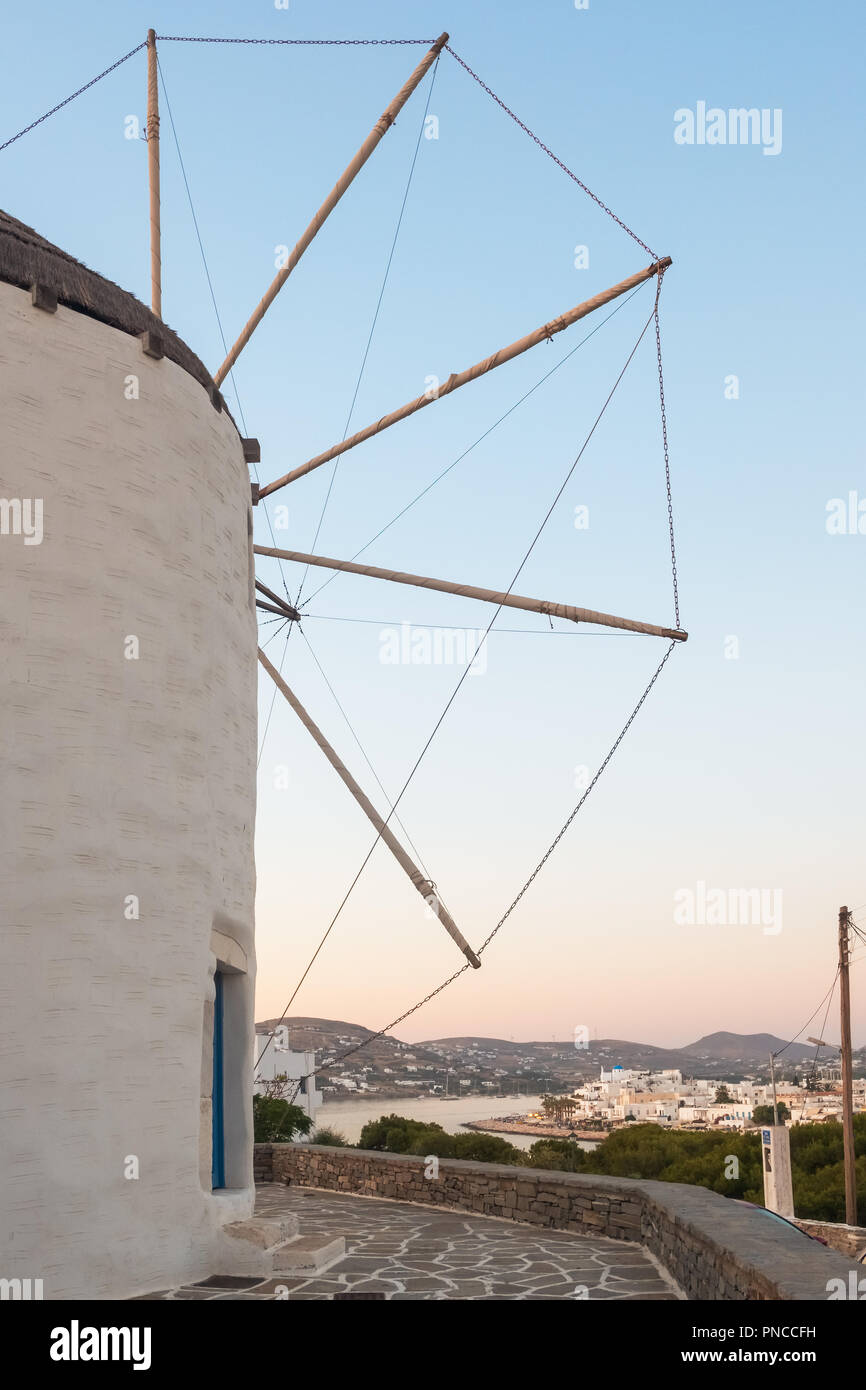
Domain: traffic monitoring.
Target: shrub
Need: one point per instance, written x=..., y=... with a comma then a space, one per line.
x=277, y=1122
x=562, y=1155
x=485, y=1148
x=333, y=1137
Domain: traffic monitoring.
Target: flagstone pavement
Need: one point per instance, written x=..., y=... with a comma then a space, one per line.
x=397, y=1251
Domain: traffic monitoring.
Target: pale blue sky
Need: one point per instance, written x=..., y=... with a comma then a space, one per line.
x=745, y=773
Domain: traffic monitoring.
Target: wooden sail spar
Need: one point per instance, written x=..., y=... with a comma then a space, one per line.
x=282, y=605
x=423, y=885
x=153, y=175
x=504, y=599
x=458, y=379
x=386, y=120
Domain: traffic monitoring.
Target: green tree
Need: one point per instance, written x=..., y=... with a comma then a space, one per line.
x=277, y=1122
x=395, y=1134
x=763, y=1114
x=485, y=1148
x=560, y=1154
x=723, y=1096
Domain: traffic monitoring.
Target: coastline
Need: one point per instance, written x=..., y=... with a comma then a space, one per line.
x=512, y=1125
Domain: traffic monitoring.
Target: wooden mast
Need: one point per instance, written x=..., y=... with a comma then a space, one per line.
x=382, y=125
x=423, y=885
x=506, y=600
x=153, y=175
x=457, y=379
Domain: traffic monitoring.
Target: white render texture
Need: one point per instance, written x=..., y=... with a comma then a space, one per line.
x=122, y=778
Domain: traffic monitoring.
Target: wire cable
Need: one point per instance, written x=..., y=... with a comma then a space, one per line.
x=808, y=1020
x=818, y=1047
x=459, y=627
x=372, y=327
x=459, y=685
x=515, y=901
x=363, y=753
x=214, y=301
x=525, y=397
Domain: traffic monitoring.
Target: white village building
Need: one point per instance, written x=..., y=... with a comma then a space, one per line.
x=275, y=1061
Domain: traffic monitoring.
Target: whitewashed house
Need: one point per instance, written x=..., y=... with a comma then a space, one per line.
x=274, y=1061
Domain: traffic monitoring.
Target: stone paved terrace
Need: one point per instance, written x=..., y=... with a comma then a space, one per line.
x=398, y=1251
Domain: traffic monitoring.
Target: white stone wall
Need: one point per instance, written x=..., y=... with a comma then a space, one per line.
x=120, y=778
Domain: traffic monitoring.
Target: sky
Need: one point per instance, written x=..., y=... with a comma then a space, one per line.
x=744, y=770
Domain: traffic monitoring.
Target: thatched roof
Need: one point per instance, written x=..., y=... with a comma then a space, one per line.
x=27, y=258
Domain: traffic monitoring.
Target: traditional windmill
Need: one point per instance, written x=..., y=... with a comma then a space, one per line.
x=127, y=874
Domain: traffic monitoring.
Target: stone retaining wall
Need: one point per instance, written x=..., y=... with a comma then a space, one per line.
x=848, y=1240
x=714, y=1248
x=263, y=1162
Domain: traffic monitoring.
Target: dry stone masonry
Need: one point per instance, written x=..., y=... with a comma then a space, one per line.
x=711, y=1247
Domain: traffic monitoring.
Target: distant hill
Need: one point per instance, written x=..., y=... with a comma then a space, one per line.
x=717, y=1055
x=747, y=1047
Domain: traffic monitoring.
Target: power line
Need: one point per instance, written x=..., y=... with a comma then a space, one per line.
x=823, y=1026
x=809, y=1019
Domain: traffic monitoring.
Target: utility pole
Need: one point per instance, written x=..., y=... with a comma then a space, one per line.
x=847, y=1065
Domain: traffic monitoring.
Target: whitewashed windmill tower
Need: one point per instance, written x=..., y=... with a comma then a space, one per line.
x=128, y=627
x=127, y=624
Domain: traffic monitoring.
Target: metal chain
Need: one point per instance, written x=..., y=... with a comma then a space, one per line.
x=527, y=885
x=604, y=207
x=667, y=451
x=185, y=38
x=191, y=38
x=60, y=105
x=382, y=1031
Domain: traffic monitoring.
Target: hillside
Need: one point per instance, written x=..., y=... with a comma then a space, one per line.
x=507, y=1066
x=751, y=1047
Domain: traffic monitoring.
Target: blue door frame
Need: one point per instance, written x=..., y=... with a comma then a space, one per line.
x=218, y=1166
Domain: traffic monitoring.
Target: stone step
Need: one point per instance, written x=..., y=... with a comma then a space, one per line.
x=308, y=1254
x=264, y=1232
